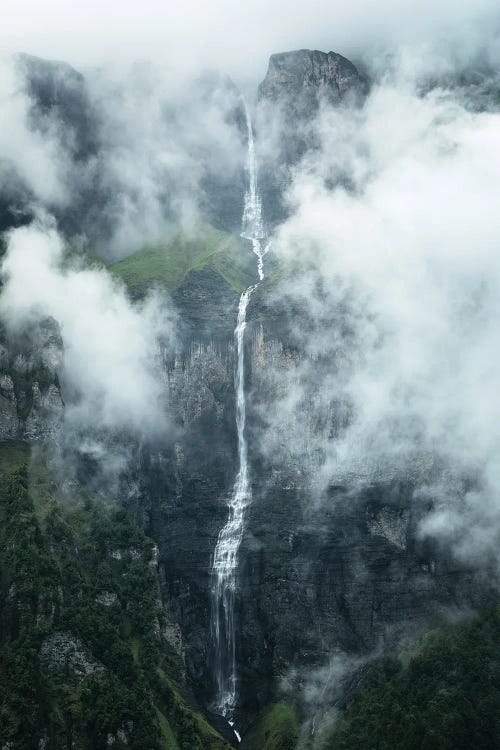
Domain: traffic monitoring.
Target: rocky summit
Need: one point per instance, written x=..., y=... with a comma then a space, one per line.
x=307, y=75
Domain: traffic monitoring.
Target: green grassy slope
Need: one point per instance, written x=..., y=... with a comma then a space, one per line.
x=168, y=262
x=276, y=729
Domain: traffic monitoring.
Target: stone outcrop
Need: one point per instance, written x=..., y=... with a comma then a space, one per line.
x=59, y=92
x=302, y=77
x=63, y=653
x=296, y=84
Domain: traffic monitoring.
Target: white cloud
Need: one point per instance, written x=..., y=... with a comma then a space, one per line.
x=158, y=139
x=409, y=266
x=111, y=374
x=153, y=139
x=34, y=156
x=237, y=37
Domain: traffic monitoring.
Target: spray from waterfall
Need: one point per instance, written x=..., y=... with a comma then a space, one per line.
x=225, y=559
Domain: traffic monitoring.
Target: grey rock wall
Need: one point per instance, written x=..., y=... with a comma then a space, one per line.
x=302, y=77
x=346, y=575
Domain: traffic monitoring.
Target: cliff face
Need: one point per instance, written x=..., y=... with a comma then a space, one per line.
x=90, y=124
x=59, y=93
x=342, y=576
x=303, y=77
x=295, y=87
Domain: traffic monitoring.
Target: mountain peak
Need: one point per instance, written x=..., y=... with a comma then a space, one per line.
x=295, y=73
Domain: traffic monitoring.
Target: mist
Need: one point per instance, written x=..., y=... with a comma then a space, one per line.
x=406, y=261
x=201, y=34
x=111, y=375
x=258, y=325
x=392, y=215
x=121, y=158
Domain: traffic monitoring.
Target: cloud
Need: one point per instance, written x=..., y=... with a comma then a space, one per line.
x=159, y=140
x=121, y=157
x=235, y=37
x=32, y=155
x=112, y=376
x=323, y=690
x=404, y=261
x=400, y=336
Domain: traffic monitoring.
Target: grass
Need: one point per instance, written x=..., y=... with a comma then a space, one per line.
x=169, y=261
x=276, y=729
x=167, y=733
x=178, y=714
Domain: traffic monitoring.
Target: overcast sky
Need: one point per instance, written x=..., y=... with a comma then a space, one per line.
x=235, y=36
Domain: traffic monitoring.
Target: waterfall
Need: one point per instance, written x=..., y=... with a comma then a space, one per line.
x=225, y=558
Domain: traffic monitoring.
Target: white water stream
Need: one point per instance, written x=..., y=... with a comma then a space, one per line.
x=225, y=559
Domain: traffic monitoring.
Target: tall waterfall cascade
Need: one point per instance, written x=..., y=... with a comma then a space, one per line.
x=225, y=558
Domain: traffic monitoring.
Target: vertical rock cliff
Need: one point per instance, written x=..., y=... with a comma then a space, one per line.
x=337, y=573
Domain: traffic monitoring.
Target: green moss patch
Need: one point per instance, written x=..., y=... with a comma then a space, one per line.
x=167, y=262
x=276, y=729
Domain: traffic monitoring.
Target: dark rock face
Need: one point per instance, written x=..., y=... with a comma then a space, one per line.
x=347, y=573
x=15, y=208
x=207, y=306
x=303, y=77
x=59, y=92
x=346, y=576
x=289, y=99
x=70, y=110
x=184, y=489
x=60, y=108
x=349, y=578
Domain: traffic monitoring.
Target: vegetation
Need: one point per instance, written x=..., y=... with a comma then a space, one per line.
x=276, y=729
x=443, y=696
x=83, y=661
x=169, y=261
